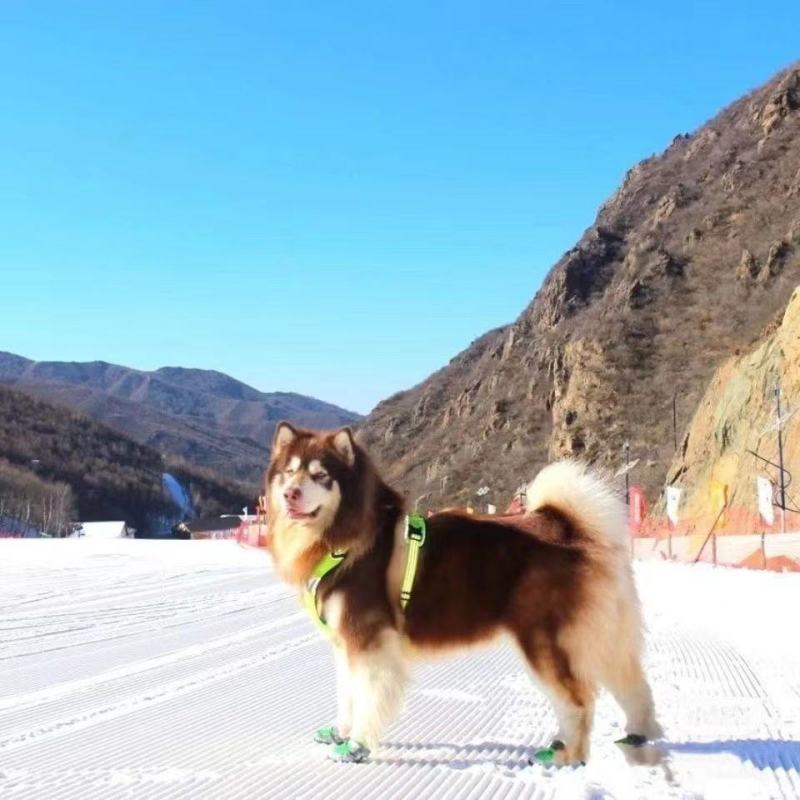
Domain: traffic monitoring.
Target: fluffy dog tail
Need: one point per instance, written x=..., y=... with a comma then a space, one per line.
x=583, y=497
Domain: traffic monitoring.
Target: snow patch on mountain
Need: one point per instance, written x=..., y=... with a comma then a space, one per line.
x=177, y=494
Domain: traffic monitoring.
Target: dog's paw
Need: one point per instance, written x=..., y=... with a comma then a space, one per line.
x=547, y=754
x=569, y=758
x=633, y=740
x=349, y=752
x=559, y=755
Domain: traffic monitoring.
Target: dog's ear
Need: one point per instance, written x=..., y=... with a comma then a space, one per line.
x=285, y=434
x=345, y=446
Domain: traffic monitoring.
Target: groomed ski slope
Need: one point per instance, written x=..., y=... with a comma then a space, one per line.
x=134, y=669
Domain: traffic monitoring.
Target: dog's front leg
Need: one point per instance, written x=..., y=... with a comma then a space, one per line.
x=378, y=680
x=344, y=694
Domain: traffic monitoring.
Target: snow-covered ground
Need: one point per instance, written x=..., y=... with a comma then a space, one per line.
x=135, y=669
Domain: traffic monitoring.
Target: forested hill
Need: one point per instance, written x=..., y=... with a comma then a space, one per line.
x=57, y=465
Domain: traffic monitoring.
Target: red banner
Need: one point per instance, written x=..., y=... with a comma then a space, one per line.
x=637, y=508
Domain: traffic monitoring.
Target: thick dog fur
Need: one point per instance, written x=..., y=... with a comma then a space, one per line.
x=556, y=580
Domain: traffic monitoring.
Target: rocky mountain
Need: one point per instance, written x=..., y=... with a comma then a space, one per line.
x=737, y=417
x=204, y=417
x=58, y=466
x=684, y=266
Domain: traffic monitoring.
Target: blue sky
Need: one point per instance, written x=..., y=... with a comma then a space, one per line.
x=329, y=198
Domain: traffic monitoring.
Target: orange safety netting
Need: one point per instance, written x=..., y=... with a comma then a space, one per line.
x=735, y=520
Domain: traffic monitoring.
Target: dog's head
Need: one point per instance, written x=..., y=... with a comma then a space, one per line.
x=323, y=493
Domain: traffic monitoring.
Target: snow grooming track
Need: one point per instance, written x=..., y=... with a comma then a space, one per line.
x=154, y=670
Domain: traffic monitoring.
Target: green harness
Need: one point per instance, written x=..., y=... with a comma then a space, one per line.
x=415, y=539
x=327, y=563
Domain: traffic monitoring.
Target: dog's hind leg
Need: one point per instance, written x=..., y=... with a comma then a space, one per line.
x=378, y=680
x=572, y=699
x=627, y=683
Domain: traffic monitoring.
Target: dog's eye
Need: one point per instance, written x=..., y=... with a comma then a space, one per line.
x=319, y=476
x=289, y=471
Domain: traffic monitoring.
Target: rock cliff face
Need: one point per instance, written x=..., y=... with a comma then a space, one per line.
x=738, y=414
x=684, y=266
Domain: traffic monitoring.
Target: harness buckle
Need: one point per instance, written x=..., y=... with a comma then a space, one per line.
x=415, y=535
x=415, y=530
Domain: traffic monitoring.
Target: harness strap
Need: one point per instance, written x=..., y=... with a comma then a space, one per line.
x=326, y=564
x=416, y=533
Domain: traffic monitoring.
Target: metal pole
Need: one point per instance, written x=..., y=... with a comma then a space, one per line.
x=627, y=470
x=674, y=421
x=780, y=458
x=710, y=534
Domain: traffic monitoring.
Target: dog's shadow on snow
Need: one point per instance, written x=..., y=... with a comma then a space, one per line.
x=761, y=753
x=512, y=758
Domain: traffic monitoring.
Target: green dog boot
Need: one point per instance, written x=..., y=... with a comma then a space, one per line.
x=328, y=735
x=349, y=752
x=547, y=755
x=633, y=740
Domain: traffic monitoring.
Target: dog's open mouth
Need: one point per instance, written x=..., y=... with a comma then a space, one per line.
x=296, y=513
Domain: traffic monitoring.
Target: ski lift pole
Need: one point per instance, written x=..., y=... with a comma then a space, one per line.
x=627, y=448
x=781, y=474
x=675, y=420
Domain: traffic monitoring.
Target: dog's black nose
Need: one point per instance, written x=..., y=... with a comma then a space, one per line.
x=292, y=493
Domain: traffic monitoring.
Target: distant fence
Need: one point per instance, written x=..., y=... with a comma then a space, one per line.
x=735, y=521
x=737, y=537
x=773, y=551
x=253, y=534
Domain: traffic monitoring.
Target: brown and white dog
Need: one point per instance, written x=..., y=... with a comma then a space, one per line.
x=557, y=580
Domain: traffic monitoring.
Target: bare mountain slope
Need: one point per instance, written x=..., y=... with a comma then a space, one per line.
x=205, y=417
x=738, y=414
x=697, y=250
